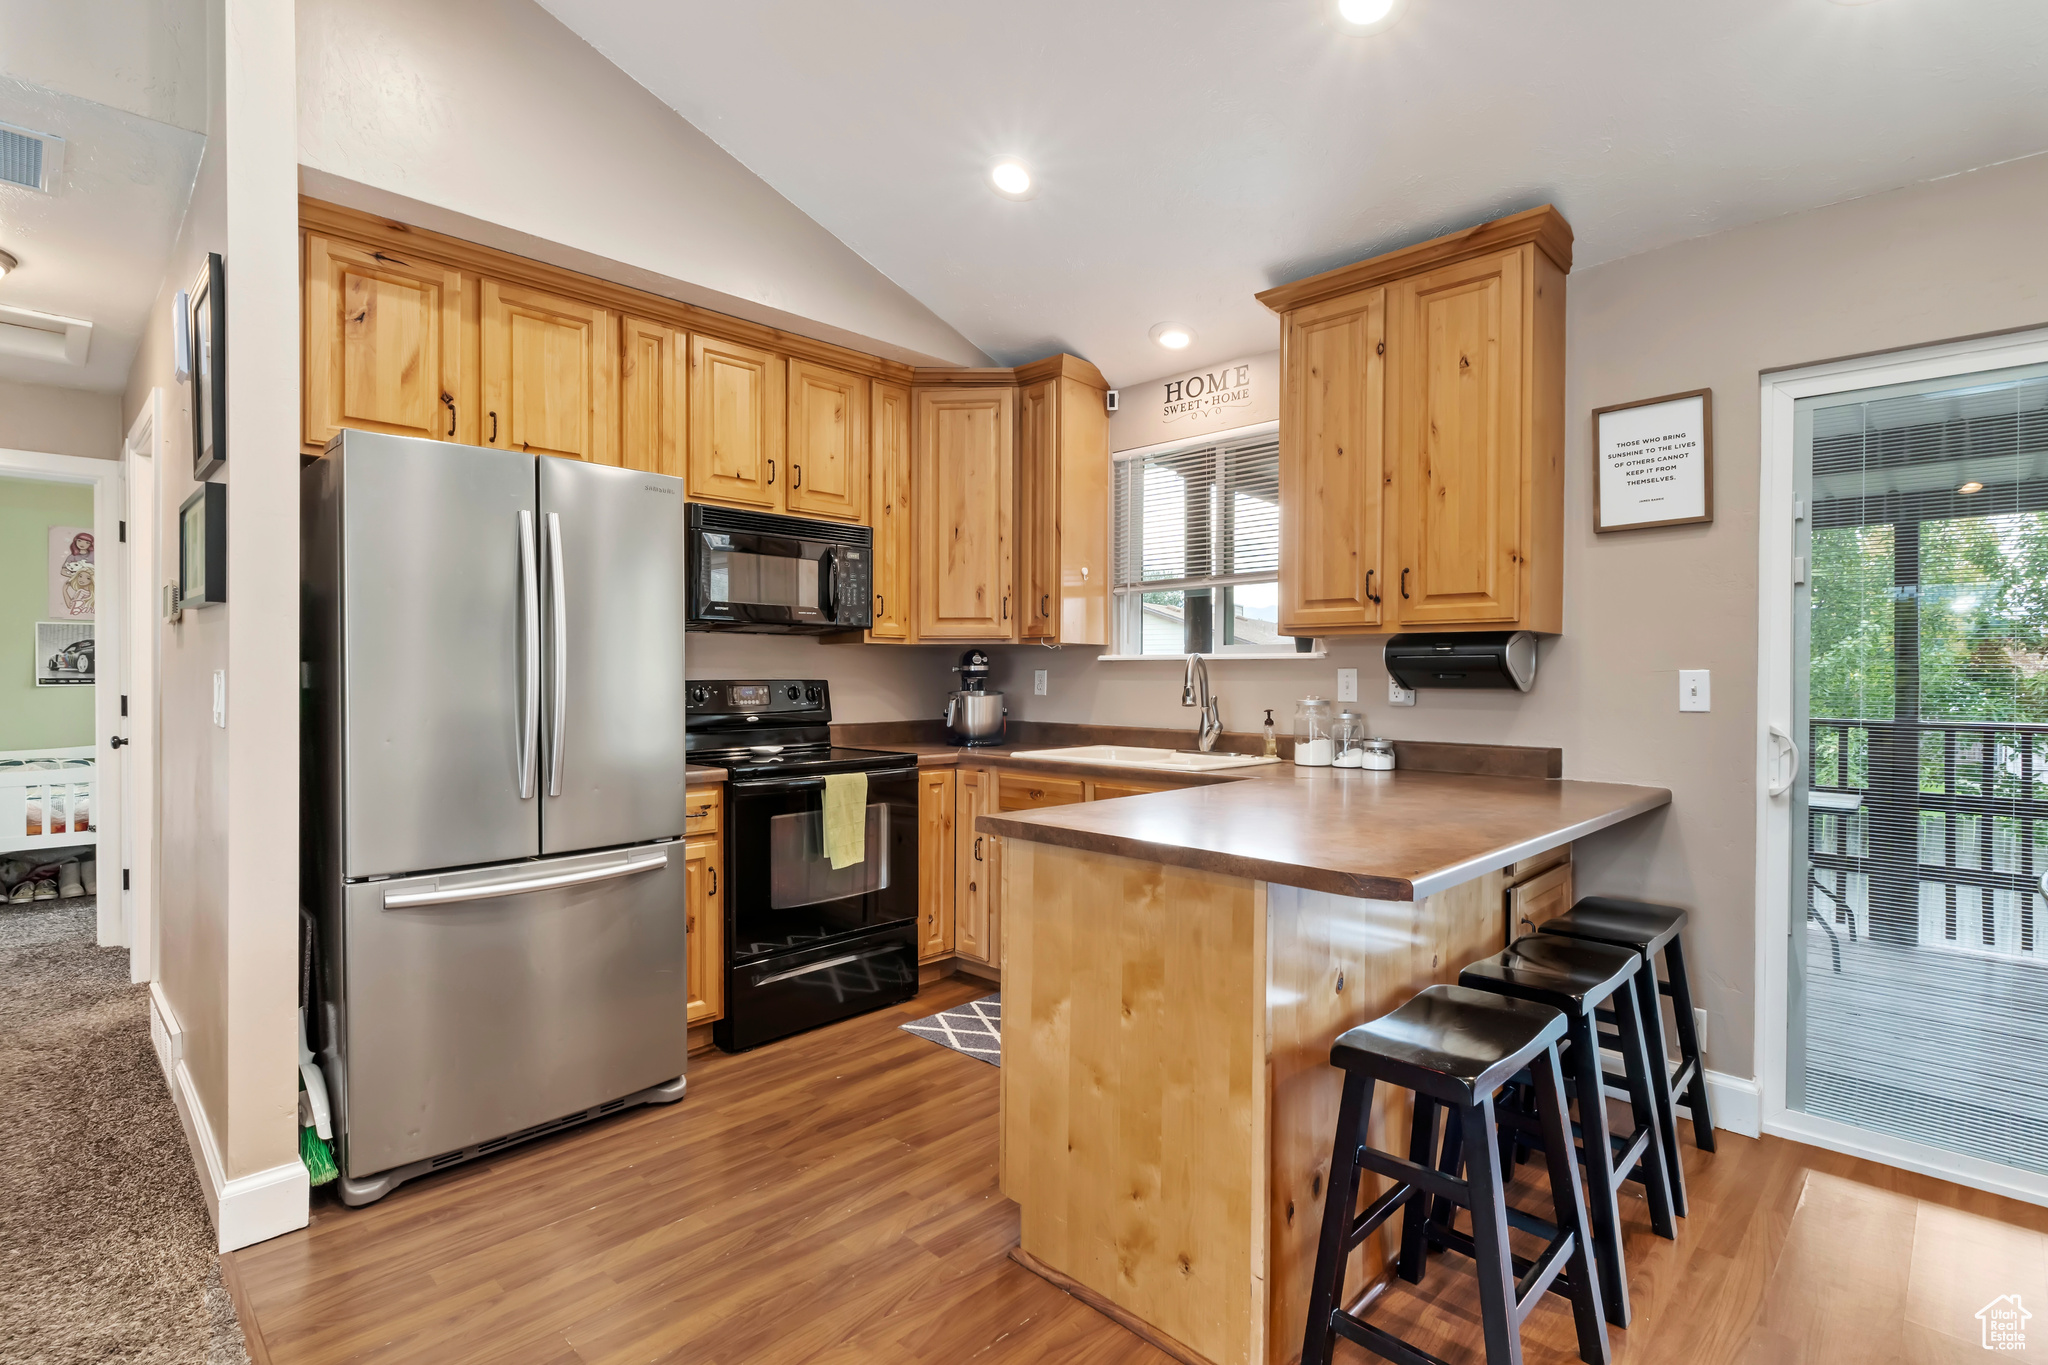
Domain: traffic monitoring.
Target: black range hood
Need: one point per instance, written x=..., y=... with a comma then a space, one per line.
x=1495, y=658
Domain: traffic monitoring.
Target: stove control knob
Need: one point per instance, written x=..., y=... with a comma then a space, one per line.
x=795, y=692
x=700, y=695
x=811, y=695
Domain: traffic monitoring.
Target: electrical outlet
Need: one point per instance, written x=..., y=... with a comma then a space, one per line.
x=1347, y=684
x=1695, y=692
x=1037, y=682
x=1398, y=695
x=220, y=698
x=1699, y=1027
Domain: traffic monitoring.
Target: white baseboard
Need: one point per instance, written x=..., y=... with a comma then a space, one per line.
x=249, y=1208
x=1738, y=1105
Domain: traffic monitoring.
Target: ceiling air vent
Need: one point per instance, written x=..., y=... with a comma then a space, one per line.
x=28, y=158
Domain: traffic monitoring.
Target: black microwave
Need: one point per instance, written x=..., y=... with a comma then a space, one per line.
x=753, y=571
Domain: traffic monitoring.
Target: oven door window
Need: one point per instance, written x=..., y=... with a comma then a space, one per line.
x=785, y=892
x=752, y=579
x=800, y=874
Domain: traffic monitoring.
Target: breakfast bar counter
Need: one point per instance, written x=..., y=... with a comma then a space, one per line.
x=1176, y=967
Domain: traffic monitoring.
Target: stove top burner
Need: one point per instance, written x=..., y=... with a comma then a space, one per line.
x=768, y=760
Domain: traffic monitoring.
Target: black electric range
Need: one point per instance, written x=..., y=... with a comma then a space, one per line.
x=806, y=943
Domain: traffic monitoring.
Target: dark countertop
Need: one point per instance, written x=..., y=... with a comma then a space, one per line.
x=702, y=775
x=1378, y=835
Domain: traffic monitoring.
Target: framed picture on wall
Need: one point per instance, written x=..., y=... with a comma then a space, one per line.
x=64, y=653
x=209, y=332
x=1653, y=462
x=203, y=547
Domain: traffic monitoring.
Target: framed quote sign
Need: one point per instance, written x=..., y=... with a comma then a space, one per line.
x=1653, y=462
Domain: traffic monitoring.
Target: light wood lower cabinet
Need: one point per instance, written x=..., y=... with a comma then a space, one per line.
x=889, y=511
x=704, y=886
x=1539, y=890
x=936, y=789
x=550, y=374
x=976, y=873
x=1035, y=791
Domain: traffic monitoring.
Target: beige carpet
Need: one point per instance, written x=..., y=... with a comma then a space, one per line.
x=106, y=1253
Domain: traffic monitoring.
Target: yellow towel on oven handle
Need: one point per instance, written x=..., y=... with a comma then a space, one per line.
x=846, y=818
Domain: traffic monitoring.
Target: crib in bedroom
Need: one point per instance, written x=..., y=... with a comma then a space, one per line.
x=47, y=799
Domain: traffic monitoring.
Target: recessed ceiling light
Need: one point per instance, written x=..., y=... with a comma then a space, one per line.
x=1971, y=487
x=1174, y=336
x=1011, y=180
x=1364, y=13
x=7, y=263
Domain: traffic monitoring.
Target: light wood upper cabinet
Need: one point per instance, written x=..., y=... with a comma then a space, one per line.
x=1038, y=510
x=1062, y=512
x=935, y=839
x=1422, y=435
x=965, y=472
x=550, y=374
x=736, y=424
x=1333, y=356
x=704, y=924
x=1460, y=433
x=889, y=512
x=651, y=391
x=386, y=340
x=828, y=443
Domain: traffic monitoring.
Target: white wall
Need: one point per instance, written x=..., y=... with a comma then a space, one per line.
x=489, y=120
x=60, y=421
x=146, y=57
x=1933, y=262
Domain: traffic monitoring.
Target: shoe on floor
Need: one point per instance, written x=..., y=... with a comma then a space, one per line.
x=46, y=889
x=89, y=873
x=69, y=884
x=22, y=894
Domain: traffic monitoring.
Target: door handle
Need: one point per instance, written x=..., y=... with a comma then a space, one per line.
x=714, y=882
x=1006, y=606
x=483, y=891
x=881, y=605
x=1404, y=583
x=529, y=638
x=494, y=428
x=1045, y=604
x=1368, y=587
x=839, y=961
x=771, y=471
x=558, y=642
x=796, y=479
x=116, y=742
x=977, y=848
x=451, y=413
x=1777, y=788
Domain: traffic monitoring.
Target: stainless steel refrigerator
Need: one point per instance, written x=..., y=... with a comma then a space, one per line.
x=494, y=796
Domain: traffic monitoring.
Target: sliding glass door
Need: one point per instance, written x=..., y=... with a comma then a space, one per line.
x=1918, y=964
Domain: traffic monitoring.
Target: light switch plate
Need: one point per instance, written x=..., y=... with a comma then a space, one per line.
x=1398, y=695
x=1037, y=682
x=1347, y=684
x=220, y=698
x=1694, y=690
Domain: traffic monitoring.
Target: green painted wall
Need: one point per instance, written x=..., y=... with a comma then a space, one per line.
x=34, y=717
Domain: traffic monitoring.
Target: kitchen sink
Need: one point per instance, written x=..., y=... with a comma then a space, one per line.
x=1135, y=756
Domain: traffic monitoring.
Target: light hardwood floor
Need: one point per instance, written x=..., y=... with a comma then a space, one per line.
x=833, y=1199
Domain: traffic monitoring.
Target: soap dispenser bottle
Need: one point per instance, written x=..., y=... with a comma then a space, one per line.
x=1272, y=741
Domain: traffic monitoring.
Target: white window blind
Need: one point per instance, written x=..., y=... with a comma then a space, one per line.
x=1196, y=550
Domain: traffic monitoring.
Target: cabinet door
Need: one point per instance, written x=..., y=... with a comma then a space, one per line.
x=828, y=442
x=1457, y=337
x=935, y=799
x=1332, y=464
x=736, y=424
x=704, y=916
x=965, y=467
x=651, y=397
x=1081, y=596
x=975, y=870
x=1110, y=791
x=1543, y=897
x=385, y=340
x=889, y=508
x=1038, y=510
x=1035, y=791
x=550, y=374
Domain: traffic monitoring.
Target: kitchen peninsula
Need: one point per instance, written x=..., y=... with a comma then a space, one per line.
x=1175, y=968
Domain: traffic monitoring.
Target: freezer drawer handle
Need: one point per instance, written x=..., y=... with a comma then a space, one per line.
x=558, y=642
x=821, y=966
x=529, y=611
x=410, y=900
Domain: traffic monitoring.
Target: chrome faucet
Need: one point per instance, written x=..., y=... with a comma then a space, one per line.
x=1194, y=691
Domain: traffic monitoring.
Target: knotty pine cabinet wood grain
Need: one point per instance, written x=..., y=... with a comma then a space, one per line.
x=828, y=443
x=736, y=425
x=704, y=891
x=652, y=388
x=977, y=910
x=936, y=789
x=550, y=374
x=965, y=471
x=1062, y=540
x=1332, y=465
x=390, y=344
x=890, y=503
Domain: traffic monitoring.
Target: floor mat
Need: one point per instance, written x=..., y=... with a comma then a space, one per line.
x=106, y=1251
x=975, y=1028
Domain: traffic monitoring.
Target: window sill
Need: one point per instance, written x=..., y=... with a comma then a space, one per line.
x=1214, y=658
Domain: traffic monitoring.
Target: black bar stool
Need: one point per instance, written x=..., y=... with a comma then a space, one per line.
x=1453, y=1047
x=1653, y=931
x=1578, y=977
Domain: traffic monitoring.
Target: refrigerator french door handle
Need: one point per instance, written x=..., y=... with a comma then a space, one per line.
x=529, y=625
x=558, y=648
x=483, y=891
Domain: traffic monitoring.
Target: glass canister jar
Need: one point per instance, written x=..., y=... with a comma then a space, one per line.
x=1313, y=719
x=1347, y=740
x=1377, y=754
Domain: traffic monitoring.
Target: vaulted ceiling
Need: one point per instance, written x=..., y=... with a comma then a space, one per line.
x=1191, y=152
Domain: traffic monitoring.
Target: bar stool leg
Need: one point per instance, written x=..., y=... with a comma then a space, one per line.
x=1650, y=1010
x=1594, y=1137
x=1569, y=1198
x=1340, y=1204
x=1421, y=1151
x=1444, y=1212
x=1689, y=1046
x=1636, y=1068
x=1493, y=1262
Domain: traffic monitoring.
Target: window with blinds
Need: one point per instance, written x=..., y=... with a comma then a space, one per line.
x=1196, y=550
x=1920, y=964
